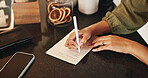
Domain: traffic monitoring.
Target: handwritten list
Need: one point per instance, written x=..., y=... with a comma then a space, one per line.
x=69, y=55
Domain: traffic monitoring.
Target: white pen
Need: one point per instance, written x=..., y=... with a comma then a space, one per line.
x=76, y=31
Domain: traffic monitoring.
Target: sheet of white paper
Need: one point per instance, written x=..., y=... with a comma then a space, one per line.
x=117, y=2
x=69, y=55
x=144, y=32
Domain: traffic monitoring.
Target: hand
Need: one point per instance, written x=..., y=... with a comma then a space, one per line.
x=122, y=45
x=112, y=42
x=84, y=35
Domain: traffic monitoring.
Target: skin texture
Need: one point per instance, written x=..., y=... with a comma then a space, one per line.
x=86, y=33
x=121, y=45
x=110, y=42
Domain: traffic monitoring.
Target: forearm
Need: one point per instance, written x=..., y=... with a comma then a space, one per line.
x=101, y=27
x=140, y=52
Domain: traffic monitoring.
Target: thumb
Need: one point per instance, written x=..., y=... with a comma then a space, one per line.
x=84, y=39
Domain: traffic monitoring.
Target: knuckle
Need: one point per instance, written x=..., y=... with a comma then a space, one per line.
x=111, y=45
x=69, y=47
x=110, y=42
x=110, y=35
x=83, y=41
x=97, y=49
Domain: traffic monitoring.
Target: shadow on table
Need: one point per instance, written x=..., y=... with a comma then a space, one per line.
x=126, y=60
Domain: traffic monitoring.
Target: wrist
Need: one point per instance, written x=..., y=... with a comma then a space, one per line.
x=101, y=27
x=133, y=47
x=90, y=29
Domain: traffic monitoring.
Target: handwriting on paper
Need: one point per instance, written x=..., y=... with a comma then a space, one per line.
x=69, y=55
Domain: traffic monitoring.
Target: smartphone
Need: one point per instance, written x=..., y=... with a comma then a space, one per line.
x=17, y=65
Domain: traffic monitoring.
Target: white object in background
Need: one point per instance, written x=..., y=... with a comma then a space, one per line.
x=11, y=22
x=3, y=19
x=3, y=4
x=117, y=2
x=88, y=6
x=144, y=32
x=11, y=26
x=21, y=0
x=69, y=55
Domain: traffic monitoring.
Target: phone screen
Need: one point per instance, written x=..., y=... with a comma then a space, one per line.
x=17, y=65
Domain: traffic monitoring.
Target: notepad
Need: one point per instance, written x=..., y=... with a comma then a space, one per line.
x=143, y=31
x=117, y=2
x=69, y=55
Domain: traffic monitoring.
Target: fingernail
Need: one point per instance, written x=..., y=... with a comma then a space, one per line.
x=94, y=50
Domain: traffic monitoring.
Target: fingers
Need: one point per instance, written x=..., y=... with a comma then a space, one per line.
x=72, y=47
x=100, y=39
x=109, y=42
x=100, y=43
x=103, y=43
x=84, y=39
x=107, y=47
x=72, y=36
x=70, y=43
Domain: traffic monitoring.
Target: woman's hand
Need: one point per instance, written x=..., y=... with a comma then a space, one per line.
x=112, y=42
x=122, y=45
x=84, y=35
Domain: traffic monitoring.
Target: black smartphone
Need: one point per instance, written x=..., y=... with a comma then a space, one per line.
x=17, y=65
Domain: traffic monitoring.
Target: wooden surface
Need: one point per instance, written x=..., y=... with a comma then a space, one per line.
x=104, y=64
x=26, y=12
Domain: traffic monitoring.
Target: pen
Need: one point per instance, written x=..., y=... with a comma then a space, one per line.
x=76, y=32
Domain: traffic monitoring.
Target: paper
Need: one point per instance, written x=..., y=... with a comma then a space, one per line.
x=117, y=2
x=144, y=32
x=69, y=55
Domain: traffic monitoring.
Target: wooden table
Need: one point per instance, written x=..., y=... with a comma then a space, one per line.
x=104, y=64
